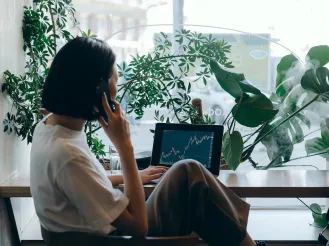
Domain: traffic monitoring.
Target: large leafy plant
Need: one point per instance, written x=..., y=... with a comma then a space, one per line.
x=279, y=117
x=44, y=27
x=162, y=78
x=301, y=87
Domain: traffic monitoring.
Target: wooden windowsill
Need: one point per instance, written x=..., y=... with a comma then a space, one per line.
x=270, y=183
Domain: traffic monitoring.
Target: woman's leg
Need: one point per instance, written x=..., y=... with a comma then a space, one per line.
x=189, y=198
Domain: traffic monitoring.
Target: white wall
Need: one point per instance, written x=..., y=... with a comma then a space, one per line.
x=14, y=153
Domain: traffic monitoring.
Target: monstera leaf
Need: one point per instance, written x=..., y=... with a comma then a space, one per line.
x=232, y=148
x=319, y=55
x=315, y=80
x=284, y=65
x=280, y=142
x=319, y=145
x=254, y=111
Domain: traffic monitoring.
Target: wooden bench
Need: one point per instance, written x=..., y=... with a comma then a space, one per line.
x=260, y=184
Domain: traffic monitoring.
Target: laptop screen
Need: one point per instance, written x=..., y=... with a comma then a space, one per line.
x=178, y=145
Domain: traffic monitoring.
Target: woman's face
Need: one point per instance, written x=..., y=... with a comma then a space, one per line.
x=113, y=83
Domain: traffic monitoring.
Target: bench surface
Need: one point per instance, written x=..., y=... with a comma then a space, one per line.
x=255, y=183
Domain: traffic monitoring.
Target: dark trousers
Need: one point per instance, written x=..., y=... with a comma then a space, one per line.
x=190, y=199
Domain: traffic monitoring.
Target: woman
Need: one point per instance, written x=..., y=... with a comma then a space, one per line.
x=70, y=188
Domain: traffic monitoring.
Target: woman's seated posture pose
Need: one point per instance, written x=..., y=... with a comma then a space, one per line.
x=71, y=189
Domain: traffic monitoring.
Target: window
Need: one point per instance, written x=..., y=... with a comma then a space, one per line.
x=259, y=34
x=102, y=29
x=83, y=18
x=130, y=29
x=117, y=28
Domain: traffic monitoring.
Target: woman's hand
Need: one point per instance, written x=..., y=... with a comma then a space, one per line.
x=117, y=128
x=151, y=173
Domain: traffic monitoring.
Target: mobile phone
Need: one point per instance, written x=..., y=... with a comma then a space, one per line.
x=103, y=87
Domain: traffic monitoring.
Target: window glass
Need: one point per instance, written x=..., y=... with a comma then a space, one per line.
x=259, y=32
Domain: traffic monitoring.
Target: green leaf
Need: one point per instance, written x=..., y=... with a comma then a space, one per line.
x=248, y=88
x=254, y=111
x=6, y=128
x=316, y=209
x=227, y=80
x=232, y=149
x=315, y=80
x=324, y=124
x=295, y=94
x=284, y=87
x=284, y=65
x=319, y=55
x=315, y=146
x=318, y=216
x=4, y=87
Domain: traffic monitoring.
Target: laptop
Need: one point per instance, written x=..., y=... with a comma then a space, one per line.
x=175, y=142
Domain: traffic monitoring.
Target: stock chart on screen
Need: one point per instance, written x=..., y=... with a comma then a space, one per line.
x=179, y=145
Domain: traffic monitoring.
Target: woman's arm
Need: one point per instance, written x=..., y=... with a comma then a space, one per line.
x=134, y=217
x=116, y=179
x=147, y=175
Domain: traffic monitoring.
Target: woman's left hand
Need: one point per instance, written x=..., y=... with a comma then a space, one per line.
x=151, y=173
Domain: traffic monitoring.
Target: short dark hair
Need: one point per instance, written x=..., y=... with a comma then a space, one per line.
x=76, y=71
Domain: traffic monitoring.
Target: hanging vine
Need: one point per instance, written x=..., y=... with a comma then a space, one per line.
x=45, y=26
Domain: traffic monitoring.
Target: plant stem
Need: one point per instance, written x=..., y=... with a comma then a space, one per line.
x=172, y=102
x=54, y=27
x=305, y=156
x=32, y=53
x=90, y=130
x=95, y=130
x=308, y=206
x=298, y=158
x=228, y=122
x=86, y=125
x=252, y=134
x=227, y=116
x=301, y=166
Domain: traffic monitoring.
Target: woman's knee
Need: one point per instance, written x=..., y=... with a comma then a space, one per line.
x=184, y=167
